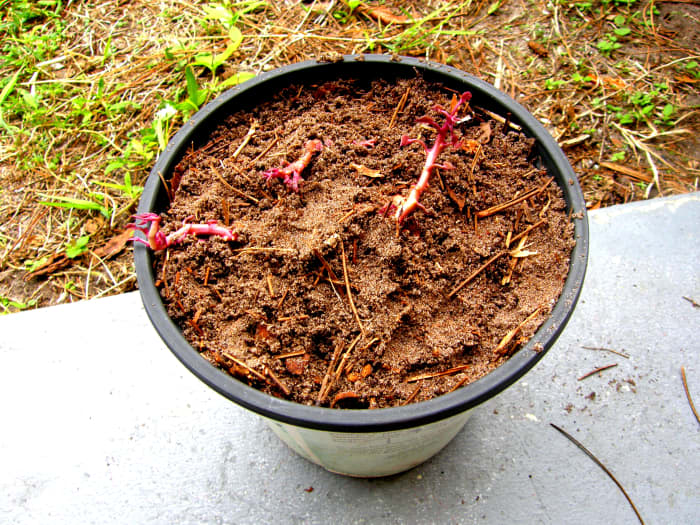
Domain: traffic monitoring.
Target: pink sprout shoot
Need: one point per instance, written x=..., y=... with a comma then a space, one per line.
x=368, y=143
x=291, y=173
x=157, y=240
x=445, y=137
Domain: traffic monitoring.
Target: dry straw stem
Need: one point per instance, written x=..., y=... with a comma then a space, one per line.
x=687, y=394
x=504, y=206
x=244, y=365
x=605, y=469
x=349, y=291
x=597, y=370
x=113, y=54
x=601, y=349
x=503, y=346
x=431, y=375
x=413, y=395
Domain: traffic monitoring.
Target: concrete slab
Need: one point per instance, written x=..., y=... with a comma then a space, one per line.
x=100, y=423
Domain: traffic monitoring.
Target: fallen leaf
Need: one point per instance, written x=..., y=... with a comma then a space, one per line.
x=615, y=82
x=297, y=365
x=261, y=332
x=484, y=132
x=471, y=146
x=685, y=79
x=115, y=245
x=537, y=48
x=364, y=170
x=383, y=15
x=56, y=262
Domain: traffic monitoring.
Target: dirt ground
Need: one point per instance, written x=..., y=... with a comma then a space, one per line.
x=90, y=92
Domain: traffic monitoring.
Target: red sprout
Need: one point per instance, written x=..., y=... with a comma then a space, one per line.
x=445, y=137
x=291, y=173
x=368, y=143
x=157, y=240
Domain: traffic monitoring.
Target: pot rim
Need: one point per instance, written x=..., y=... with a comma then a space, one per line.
x=384, y=419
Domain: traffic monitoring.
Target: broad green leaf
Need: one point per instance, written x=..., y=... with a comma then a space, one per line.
x=234, y=80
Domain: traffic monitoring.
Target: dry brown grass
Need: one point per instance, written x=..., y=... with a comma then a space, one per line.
x=100, y=72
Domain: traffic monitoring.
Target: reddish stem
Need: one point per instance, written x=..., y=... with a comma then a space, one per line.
x=157, y=240
x=407, y=205
x=291, y=173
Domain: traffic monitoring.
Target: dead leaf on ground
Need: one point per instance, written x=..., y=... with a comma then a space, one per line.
x=297, y=365
x=383, y=15
x=485, y=132
x=537, y=48
x=364, y=170
x=471, y=146
x=115, y=245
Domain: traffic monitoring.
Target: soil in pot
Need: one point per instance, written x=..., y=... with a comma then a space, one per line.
x=322, y=299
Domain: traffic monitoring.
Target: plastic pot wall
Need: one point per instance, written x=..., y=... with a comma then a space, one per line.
x=365, y=442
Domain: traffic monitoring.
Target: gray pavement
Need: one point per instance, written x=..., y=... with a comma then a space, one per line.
x=101, y=424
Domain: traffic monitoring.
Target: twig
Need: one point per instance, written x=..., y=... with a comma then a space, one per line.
x=601, y=349
x=246, y=139
x=528, y=230
x=459, y=384
x=597, y=462
x=329, y=374
x=326, y=266
x=344, y=360
x=284, y=296
x=475, y=273
x=276, y=380
x=241, y=363
x=269, y=286
x=413, y=394
x=332, y=277
x=168, y=191
x=502, y=346
x=296, y=353
x=265, y=152
x=691, y=301
x=498, y=118
x=500, y=207
x=687, y=394
x=299, y=317
x=255, y=249
x=599, y=369
x=438, y=374
x=234, y=190
x=399, y=108
x=347, y=287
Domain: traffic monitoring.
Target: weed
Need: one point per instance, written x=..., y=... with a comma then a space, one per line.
x=7, y=304
x=79, y=204
x=618, y=156
x=608, y=44
x=77, y=247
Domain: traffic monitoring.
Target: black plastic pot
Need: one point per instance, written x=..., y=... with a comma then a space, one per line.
x=306, y=427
